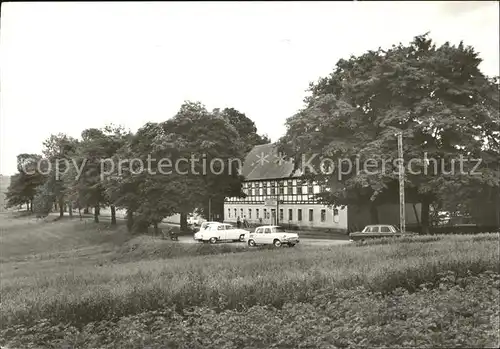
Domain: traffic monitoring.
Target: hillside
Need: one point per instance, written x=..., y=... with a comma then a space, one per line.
x=72, y=283
x=4, y=184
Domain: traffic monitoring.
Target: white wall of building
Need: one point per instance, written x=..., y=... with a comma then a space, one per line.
x=323, y=217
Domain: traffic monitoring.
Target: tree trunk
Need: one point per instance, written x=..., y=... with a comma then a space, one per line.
x=61, y=207
x=55, y=205
x=130, y=220
x=80, y=212
x=70, y=209
x=373, y=213
x=424, y=215
x=113, y=215
x=31, y=205
x=416, y=214
x=27, y=206
x=86, y=210
x=156, y=230
x=184, y=224
x=96, y=214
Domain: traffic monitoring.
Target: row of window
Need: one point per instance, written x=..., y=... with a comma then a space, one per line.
x=269, y=188
x=283, y=198
x=272, y=212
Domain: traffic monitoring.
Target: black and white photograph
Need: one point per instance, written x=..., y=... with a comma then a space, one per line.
x=249, y=174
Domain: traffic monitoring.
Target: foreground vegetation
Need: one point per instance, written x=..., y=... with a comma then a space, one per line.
x=429, y=291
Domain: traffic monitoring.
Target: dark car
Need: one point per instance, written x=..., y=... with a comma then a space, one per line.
x=378, y=231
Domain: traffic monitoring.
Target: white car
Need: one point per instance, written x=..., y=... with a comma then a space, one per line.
x=203, y=227
x=215, y=232
x=194, y=220
x=272, y=235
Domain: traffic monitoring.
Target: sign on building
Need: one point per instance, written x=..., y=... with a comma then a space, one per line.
x=271, y=202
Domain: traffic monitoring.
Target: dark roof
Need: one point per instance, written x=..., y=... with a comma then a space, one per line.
x=262, y=162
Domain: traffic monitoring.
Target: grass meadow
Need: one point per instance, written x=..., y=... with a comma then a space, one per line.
x=73, y=284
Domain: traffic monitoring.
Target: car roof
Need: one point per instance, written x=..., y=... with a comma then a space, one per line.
x=270, y=226
x=379, y=225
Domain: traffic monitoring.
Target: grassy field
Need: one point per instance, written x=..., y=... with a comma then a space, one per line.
x=80, y=285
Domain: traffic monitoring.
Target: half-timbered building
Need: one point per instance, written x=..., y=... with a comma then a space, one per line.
x=276, y=195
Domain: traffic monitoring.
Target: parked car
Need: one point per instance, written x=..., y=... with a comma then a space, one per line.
x=197, y=236
x=216, y=231
x=272, y=235
x=378, y=231
x=194, y=220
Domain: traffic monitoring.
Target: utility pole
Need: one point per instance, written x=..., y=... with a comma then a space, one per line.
x=402, y=212
x=209, y=209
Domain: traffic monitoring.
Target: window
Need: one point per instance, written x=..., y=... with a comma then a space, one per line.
x=299, y=214
x=273, y=188
x=290, y=184
x=311, y=215
x=335, y=215
x=385, y=230
x=258, y=231
x=267, y=231
x=241, y=213
x=264, y=188
x=290, y=214
x=249, y=213
x=299, y=188
x=281, y=214
x=323, y=215
x=228, y=213
x=373, y=230
x=220, y=227
x=265, y=213
x=235, y=213
x=282, y=188
x=257, y=213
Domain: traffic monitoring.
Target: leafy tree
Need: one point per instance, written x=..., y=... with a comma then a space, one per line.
x=436, y=96
x=59, y=150
x=195, y=133
x=24, y=184
x=43, y=200
x=94, y=152
x=146, y=195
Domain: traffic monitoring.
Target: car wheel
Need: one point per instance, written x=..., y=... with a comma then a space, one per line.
x=277, y=243
x=251, y=243
x=213, y=240
x=242, y=237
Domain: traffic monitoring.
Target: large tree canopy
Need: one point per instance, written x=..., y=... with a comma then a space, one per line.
x=189, y=160
x=436, y=96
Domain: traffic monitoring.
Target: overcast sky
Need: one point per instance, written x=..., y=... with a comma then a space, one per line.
x=70, y=66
